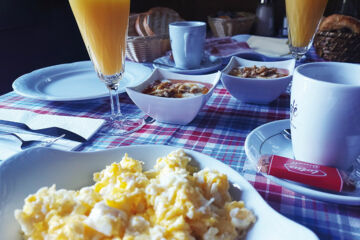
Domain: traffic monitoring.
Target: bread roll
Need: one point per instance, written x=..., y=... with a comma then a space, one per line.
x=338, y=22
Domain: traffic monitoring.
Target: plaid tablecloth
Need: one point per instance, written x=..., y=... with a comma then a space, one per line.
x=219, y=130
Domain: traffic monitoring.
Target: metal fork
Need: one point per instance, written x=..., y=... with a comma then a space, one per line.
x=31, y=143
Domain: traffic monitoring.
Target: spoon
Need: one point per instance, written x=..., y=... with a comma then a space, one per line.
x=148, y=120
x=170, y=66
x=286, y=133
x=31, y=143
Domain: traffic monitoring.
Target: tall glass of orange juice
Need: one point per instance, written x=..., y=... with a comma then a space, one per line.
x=103, y=26
x=303, y=19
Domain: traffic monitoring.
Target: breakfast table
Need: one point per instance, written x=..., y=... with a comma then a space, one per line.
x=219, y=130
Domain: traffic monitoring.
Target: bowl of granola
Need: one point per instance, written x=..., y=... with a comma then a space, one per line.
x=257, y=81
x=172, y=97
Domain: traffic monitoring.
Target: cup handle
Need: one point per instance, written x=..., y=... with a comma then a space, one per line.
x=186, y=42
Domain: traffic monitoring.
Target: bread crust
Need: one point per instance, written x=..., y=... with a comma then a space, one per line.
x=163, y=10
x=157, y=20
x=139, y=26
x=338, y=21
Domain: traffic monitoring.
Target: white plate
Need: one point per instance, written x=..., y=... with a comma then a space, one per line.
x=26, y=172
x=267, y=139
x=205, y=67
x=74, y=81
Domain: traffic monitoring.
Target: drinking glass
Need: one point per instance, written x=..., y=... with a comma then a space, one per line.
x=303, y=19
x=103, y=26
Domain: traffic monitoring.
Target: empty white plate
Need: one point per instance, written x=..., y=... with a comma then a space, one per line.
x=74, y=81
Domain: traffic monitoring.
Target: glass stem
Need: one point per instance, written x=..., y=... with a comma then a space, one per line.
x=114, y=100
x=298, y=57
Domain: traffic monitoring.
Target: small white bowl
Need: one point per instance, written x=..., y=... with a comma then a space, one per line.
x=172, y=110
x=254, y=90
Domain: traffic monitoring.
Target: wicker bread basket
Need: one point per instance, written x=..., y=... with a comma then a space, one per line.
x=338, y=46
x=148, y=34
x=222, y=27
x=144, y=48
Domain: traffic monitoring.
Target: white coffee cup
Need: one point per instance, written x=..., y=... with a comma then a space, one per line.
x=187, y=43
x=325, y=113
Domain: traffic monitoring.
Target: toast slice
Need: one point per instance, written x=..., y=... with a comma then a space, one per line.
x=156, y=21
x=139, y=26
x=131, y=29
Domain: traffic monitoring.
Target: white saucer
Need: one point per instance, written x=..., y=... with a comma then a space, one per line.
x=74, y=81
x=205, y=67
x=267, y=139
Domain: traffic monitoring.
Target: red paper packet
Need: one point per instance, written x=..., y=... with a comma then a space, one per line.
x=322, y=177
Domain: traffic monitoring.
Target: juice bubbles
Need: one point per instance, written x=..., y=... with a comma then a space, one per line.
x=103, y=25
x=303, y=18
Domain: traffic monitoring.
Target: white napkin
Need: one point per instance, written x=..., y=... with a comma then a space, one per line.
x=9, y=145
x=275, y=47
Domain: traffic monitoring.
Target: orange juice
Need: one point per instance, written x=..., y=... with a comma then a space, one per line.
x=303, y=18
x=103, y=26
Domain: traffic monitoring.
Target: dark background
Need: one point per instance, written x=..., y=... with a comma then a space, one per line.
x=39, y=33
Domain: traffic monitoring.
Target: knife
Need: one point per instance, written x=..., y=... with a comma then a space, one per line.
x=52, y=131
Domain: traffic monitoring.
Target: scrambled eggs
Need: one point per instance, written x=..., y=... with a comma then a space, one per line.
x=172, y=201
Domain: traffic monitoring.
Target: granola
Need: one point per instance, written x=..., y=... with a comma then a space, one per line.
x=176, y=88
x=258, y=72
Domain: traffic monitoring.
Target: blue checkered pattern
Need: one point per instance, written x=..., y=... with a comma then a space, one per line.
x=219, y=130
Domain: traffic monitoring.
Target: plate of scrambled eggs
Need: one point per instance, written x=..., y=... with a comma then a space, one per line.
x=133, y=193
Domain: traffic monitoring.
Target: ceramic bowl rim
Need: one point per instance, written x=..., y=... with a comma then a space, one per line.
x=216, y=78
x=290, y=66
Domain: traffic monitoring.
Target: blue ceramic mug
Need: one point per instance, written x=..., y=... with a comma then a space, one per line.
x=187, y=43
